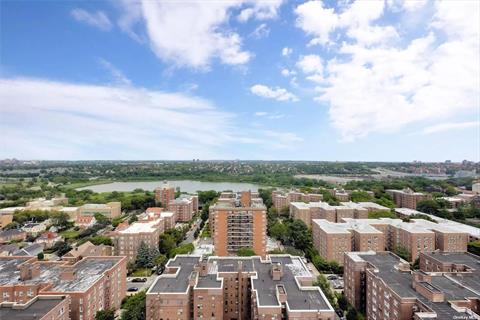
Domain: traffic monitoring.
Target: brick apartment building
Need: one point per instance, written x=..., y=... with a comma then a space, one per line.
x=406, y=198
x=282, y=200
x=184, y=207
x=237, y=288
x=382, y=285
x=332, y=239
x=127, y=238
x=92, y=283
x=238, y=221
x=322, y=210
x=38, y=308
x=164, y=194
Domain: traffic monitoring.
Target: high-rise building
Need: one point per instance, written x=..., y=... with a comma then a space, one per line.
x=184, y=207
x=279, y=287
x=164, y=194
x=239, y=221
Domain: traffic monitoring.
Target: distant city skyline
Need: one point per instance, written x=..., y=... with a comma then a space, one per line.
x=258, y=80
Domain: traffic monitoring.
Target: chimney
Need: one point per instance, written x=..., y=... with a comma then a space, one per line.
x=29, y=271
x=67, y=274
x=277, y=271
x=246, y=198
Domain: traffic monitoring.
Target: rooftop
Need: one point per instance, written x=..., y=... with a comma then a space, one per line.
x=87, y=272
x=35, y=309
x=142, y=227
x=299, y=298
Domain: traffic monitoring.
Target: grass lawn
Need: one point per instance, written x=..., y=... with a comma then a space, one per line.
x=76, y=185
x=142, y=273
x=69, y=234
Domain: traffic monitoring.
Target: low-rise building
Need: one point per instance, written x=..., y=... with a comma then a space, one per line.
x=110, y=210
x=48, y=239
x=12, y=235
x=31, y=250
x=59, y=200
x=85, y=221
x=93, y=283
x=34, y=229
x=51, y=307
x=279, y=287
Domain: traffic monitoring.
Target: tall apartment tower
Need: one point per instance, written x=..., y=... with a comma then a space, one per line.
x=164, y=194
x=239, y=221
x=406, y=198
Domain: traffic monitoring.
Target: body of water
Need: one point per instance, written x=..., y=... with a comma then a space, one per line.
x=184, y=185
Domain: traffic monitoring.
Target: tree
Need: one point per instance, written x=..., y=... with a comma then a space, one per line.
x=98, y=240
x=429, y=206
x=403, y=253
x=167, y=243
x=352, y=314
x=183, y=249
x=60, y=220
x=342, y=302
x=61, y=247
x=322, y=282
x=160, y=261
x=135, y=307
x=360, y=196
x=245, y=252
x=279, y=231
x=376, y=214
x=300, y=235
x=40, y=256
x=101, y=219
x=146, y=256
x=105, y=315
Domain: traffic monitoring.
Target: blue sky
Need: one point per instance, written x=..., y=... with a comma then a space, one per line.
x=274, y=80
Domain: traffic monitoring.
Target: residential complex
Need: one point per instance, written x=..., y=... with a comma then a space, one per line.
x=39, y=308
x=419, y=235
x=279, y=287
x=282, y=200
x=322, y=210
x=92, y=283
x=383, y=286
x=127, y=238
x=406, y=198
x=164, y=194
x=238, y=220
x=184, y=207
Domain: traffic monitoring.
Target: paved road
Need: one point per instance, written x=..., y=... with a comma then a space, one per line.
x=190, y=234
x=140, y=285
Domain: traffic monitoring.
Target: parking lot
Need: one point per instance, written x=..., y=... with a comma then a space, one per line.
x=139, y=285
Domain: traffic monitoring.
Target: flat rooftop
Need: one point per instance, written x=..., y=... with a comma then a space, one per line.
x=142, y=227
x=87, y=272
x=305, y=298
x=400, y=282
x=36, y=310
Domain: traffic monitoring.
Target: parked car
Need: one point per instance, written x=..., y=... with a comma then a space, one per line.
x=139, y=280
x=332, y=277
x=132, y=289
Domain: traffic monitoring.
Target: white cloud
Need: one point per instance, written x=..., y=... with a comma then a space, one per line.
x=194, y=33
x=316, y=20
x=96, y=19
x=288, y=73
x=260, y=10
x=287, y=51
x=267, y=115
x=310, y=64
x=116, y=73
x=277, y=93
x=373, y=84
x=451, y=126
x=262, y=31
x=58, y=120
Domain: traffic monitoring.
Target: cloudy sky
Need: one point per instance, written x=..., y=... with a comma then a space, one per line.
x=316, y=80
